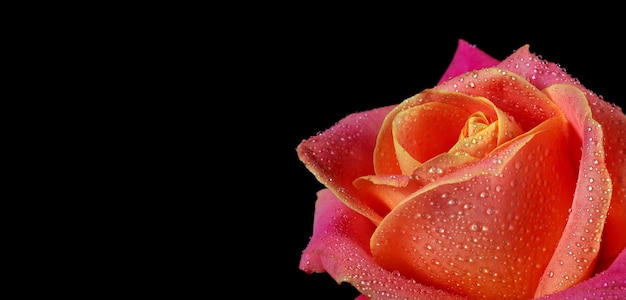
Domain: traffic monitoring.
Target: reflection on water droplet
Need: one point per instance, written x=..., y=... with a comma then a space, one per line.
x=435, y=170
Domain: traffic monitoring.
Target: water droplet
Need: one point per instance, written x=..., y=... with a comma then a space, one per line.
x=435, y=170
x=478, y=227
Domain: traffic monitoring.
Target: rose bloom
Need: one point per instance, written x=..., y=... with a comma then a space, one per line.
x=505, y=180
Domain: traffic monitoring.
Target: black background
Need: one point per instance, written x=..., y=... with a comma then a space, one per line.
x=303, y=74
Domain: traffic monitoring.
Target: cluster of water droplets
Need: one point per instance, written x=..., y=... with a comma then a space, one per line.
x=578, y=248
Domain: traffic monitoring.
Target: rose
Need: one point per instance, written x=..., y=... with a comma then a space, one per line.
x=507, y=179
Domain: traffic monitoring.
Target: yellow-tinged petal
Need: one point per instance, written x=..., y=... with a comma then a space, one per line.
x=418, y=134
x=481, y=135
x=478, y=144
x=395, y=142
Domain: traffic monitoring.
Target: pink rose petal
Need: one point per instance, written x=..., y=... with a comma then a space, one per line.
x=542, y=74
x=467, y=58
x=613, y=124
x=575, y=255
x=340, y=247
x=609, y=284
x=343, y=153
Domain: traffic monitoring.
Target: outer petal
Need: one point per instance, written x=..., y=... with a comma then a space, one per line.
x=575, y=256
x=542, y=74
x=339, y=246
x=610, y=284
x=343, y=153
x=467, y=58
x=613, y=123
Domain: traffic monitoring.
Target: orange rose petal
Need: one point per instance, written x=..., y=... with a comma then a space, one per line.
x=343, y=153
x=478, y=144
x=339, y=246
x=385, y=161
x=384, y=192
x=440, y=166
x=381, y=193
x=419, y=135
x=575, y=256
x=507, y=127
x=488, y=231
x=390, y=136
x=475, y=124
x=509, y=92
x=482, y=134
